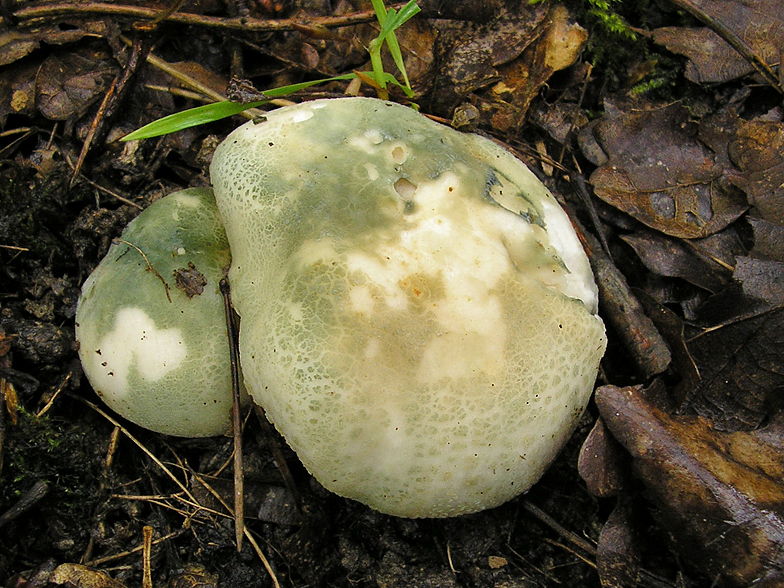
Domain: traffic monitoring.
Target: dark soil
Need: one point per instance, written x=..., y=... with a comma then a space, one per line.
x=79, y=485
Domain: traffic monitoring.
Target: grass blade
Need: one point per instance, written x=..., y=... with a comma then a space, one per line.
x=211, y=112
x=190, y=118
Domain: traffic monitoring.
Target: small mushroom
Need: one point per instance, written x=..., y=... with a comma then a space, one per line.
x=419, y=319
x=150, y=321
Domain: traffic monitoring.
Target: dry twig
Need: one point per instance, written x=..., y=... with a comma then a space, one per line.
x=35, y=15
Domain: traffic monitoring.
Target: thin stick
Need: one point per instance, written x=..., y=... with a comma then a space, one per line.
x=568, y=549
x=196, y=85
x=248, y=535
x=111, y=102
x=735, y=41
x=558, y=528
x=100, y=188
x=114, y=442
x=102, y=560
x=57, y=391
x=139, y=444
x=149, y=26
x=263, y=559
x=239, y=494
x=149, y=265
x=146, y=556
x=34, y=14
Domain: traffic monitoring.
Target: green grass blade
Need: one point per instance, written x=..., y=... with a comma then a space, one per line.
x=397, y=57
x=211, y=112
x=381, y=10
x=290, y=89
x=395, y=19
x=390, y=20
x=189, y=118
x=390, y=79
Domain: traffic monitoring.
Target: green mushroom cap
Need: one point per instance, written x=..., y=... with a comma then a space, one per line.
x=418, y=316
x=150, y=321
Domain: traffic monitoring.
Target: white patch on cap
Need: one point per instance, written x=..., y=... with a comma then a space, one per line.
x=136, y=341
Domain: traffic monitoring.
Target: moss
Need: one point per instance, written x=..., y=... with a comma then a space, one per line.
x=64, y=456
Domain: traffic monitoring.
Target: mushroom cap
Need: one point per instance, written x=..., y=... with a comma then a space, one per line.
x=158, y=354
x=418, y=316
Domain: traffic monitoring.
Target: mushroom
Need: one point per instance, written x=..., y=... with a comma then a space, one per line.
x=419, y=319
x=150, y=320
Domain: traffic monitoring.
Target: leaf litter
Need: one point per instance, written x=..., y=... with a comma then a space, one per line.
x=686, y=236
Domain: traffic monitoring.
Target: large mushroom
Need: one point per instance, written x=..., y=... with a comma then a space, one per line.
x=419, y=319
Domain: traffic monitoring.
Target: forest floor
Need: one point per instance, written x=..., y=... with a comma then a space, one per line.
x=664, y=142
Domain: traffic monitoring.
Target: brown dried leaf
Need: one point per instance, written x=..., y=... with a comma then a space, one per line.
x=417, y=39
x=760, y=23
x=758, y=151
x=68, y=83
x=563, y=41
x=473, y=53
x=742, y=368
x=559, y=120
x=196, y=71
x=599, y=464
x=768, y=239
x=14, y=45
x=617, y=559
x=719, y=494
x=17, y=90
x=78, y=576
x=522, y=79
x=472, y=64
x=761, y=279
x=17, y=43
x=675, y=259
x=470, y=10
x=194, y=576
x=659, y=173
x=671, y=326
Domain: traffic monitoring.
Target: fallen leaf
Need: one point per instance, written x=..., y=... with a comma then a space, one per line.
x=600, y=464
x=16, y=43
x=752, y=153
x=190, y=280
x=521, y=79
x=564, y=40
x=194, y=576
x=742, y=367
x=761, y=279
x=671, y=326
x=673, y=258
x=659, y=173
x=469, y=54
x=759, y=23
x=417, y=39
x=70, y=575
x=472, y=64
x=17, y=90
x=758, y=151
x=68, y=83
x=740, y=350
x=719, y=494
x=559, y=119
x=617, y=559
x=470, y=10
x=768, y=239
